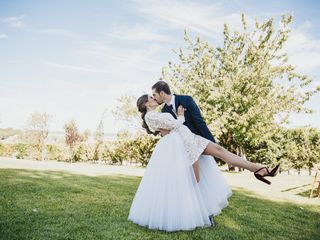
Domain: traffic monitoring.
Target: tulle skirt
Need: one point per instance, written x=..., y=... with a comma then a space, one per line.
x=169, y=197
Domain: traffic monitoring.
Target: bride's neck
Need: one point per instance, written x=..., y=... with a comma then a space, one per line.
x=151, y=108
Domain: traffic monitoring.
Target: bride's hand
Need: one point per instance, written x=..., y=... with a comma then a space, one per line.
x=180, y=111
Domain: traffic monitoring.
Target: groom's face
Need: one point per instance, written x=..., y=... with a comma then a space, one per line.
x=157, y=97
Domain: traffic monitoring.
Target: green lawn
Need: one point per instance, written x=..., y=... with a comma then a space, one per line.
x=59, y=205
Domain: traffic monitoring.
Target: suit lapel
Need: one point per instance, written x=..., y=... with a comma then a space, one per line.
x=176, y=101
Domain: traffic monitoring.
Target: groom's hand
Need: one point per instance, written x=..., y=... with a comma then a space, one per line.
x=164, y=132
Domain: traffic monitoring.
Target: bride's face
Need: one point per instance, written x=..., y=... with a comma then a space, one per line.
x=151, y=102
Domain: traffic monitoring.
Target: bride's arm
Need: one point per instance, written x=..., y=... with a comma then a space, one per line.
x=156, y=121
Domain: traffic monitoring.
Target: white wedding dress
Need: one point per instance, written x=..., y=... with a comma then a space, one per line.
x=169, y=197
x=194, y=144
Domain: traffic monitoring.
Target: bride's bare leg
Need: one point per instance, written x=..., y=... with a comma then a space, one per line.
x=216, y=150
x=196, y=170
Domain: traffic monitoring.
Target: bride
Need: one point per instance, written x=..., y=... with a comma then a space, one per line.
x=181, y=187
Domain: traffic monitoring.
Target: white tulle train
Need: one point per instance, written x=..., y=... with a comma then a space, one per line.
x=169, y=197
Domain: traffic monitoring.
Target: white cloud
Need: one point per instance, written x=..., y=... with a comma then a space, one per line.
x=57, y=31
x=15, y=22
x=303, y=50
x=76, y=68
x=3, y=36
x=138, y=32
x=306, y=25
x=123, y=71
x=123, y=60
x=81, y=81
x=204, y=19
x=208, y=20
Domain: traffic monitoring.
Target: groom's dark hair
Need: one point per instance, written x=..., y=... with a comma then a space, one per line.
x=161, y=86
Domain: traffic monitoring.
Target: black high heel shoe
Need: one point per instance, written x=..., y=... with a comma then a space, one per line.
x=272, y=173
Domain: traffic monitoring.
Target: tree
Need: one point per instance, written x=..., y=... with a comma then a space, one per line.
x=314, y=141
x=72, y=137
x=38, y=130
x=127, y=111
x=143, y=146
x=246, y=88
x=302, y=148
x=99, y=138
x=269, y=151
x=137, y=150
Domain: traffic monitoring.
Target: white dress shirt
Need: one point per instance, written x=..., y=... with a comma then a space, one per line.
x=172, y=103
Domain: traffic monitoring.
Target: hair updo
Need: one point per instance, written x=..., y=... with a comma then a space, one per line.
x=141, y=105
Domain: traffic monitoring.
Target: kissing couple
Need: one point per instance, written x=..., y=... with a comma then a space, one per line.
x=182, y=187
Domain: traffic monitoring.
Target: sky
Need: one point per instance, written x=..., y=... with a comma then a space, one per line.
x=74, y=59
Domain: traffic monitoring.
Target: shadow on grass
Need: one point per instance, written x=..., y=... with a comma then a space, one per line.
x=308, y=192
x=295, y=188
x=60, y=205
x=303, y=190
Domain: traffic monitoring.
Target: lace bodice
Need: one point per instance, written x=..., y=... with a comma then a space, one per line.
x=156, y=121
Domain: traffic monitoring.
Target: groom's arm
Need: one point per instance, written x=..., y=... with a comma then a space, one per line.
x=198, y=120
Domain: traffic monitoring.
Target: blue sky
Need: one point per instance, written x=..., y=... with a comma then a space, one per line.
x=73, y=59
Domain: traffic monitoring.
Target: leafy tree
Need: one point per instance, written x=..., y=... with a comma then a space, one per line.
x=99, y=139
x=143, y=147
x=302, y=148
x=127, y=111
x=38, y=130
x=245, y=88
x=314, y=141
x=119, y=151
x=73, y=138
x=135, y=150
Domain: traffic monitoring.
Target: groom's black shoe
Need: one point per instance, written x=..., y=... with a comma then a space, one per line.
x=212, y=221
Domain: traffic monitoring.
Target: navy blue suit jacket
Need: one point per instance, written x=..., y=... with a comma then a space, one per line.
x=193, y=119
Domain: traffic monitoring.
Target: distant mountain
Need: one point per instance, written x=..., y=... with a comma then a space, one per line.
x=11, y=135
x=8, y=132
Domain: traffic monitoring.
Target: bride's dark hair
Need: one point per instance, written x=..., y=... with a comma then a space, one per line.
x=141, y=104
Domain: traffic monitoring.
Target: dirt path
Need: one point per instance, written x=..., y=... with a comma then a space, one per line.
x=284, y=187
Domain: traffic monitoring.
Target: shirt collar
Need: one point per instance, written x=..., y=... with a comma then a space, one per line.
x=172, y=101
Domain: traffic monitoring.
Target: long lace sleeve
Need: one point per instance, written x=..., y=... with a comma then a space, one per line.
x=156, y=121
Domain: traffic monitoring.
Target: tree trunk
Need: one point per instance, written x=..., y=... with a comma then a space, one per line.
x=43, y=151
x=71, y=154
x=242, y=153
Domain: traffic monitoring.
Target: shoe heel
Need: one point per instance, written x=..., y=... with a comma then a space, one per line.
x=275, y=170
x=259, y=177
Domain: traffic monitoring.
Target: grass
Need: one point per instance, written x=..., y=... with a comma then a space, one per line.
x=59, y=205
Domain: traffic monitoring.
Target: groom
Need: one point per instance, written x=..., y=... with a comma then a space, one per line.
x=193, y=118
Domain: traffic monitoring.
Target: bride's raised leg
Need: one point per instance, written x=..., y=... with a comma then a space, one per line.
x=196, y=170
x=216, y=150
